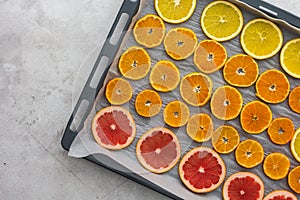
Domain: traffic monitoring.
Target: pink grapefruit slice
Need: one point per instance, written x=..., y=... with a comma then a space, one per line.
x=280, y=195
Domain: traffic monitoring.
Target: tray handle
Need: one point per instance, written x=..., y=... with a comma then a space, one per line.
x=108, y=52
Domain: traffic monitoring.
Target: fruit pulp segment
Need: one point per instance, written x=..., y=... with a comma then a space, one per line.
x=244, y=188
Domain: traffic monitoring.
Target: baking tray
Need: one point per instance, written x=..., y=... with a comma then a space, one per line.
x=110, y=50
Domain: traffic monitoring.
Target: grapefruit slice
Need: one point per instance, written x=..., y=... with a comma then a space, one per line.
x=280, y=195
x=243, y=186
x=113, y=128
x=158, y=150
x=202, y=170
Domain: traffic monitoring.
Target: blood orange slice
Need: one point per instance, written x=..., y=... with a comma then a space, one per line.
x=158, y=150
x=202, y=170
x=280, y=195
x=113, y=127
x=243, y=186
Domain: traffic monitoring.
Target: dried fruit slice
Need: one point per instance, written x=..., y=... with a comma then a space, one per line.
x=134, y=63
x=281, y=130
x=225, y=139
x=280, y=195
x=295, y=145
x=249, y=153
x=290, y=57
x=241, y=70
x=180, y=43
x=118, y=91
x=210, y=56
x=255, y=117
x=149, y=31
x=164, y=76
x=158, y=150
x=202, y=170
x=294, y=100
x=293, y=179
x=276, y=166
x=176, y=114
x=226, y=103
x=272, y=86
x=195, y=88
x=148, y=103
x=200, y=127
x=221, y=21
x=243, y=185
x=113, y=128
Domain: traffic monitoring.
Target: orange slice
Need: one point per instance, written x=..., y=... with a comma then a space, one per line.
x=225, y=139
x=148, y=103
x=295, y=145
x=241, y=70
x=176, y=114
x=290, y=58
x=200, y=127
x=226, y=103
x=293, y=179
x=255, y=117
x=281, y=130
x=249, y=153
x=134, y=63
x=149, y=31
x=272, y=86
x=294, y=100
x=280, y=194
x=118, y=91
x=276, y=166
x=195, y=88
x=210, y=56
x=164, y=76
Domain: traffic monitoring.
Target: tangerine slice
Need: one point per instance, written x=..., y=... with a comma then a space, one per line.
x=295, y=145
x=241, y=70
x=200, y=127
x=164, y=76
x=148, y=103
x=294, y=100
x=134, y=63
x=195, y=88
x=276, y=166
x=225, y=139
x=281, y=130
x=226, y=103
x=149, y=31
x=210, y=56
x=293, y=179
x=272, y=86
x=158, y=150
x=176, y=114
x=180, y=43
x=118, y=91
x=280, y=194
x=249, y=153
x=290, y=58
x=255, y=117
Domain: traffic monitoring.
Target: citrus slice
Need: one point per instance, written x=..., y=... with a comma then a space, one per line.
x=149, y=31
x=281, y=130
x=175, y=11
x=295, y=145
x=272, y=86
x=225, y=139
x=210, y=56
x=241, y=70
x=249, y=153
x=243, y=185
x=176, y=114
x=148, y=103
x=180, y=43
x=195, y=88
x=276, y=166
x=118, y=91
x=255, y=117
x=164, y=76
x=200, y=127
x=158, y=150
x=226, y=103
x=221, y=21
x=261, y=38
x=290, y=57
x=293, y=179
x=134, y=63
x=202, y=170
x=280, y=195
x=113, y=128
x=294, y=100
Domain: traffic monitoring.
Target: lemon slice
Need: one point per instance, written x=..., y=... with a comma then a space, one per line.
x=175, y=11
x=221, y=21
x=261, y=39
x=290, y=58
x=295, y=145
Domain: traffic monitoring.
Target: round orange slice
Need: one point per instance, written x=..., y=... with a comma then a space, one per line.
x=290, y=57
x=276, y=166
x=293, y=179
x=118, y=91
x=294, y=100
x=148, y=103
x=280, y=194
x=281, y=130
x=176, y=114
x=200, y=127
x=295, y=145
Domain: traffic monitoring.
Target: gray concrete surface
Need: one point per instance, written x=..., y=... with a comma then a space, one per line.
x=42, y=45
